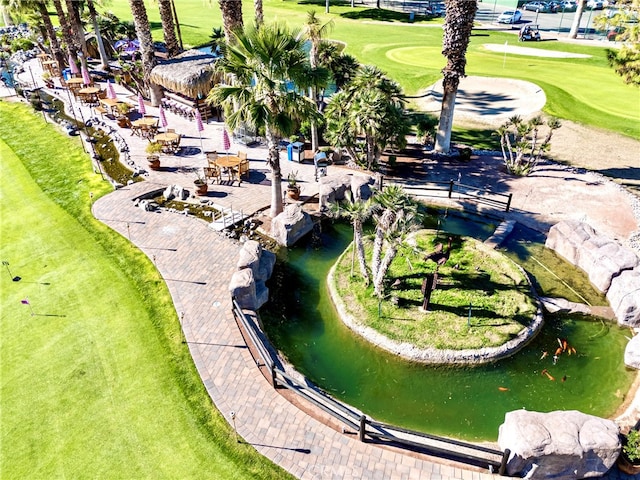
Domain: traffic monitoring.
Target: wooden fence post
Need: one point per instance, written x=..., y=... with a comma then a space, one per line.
x=363, y=424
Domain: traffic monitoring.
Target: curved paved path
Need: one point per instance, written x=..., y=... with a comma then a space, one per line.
x=197, y=264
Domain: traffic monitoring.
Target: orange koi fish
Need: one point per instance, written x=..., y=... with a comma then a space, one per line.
x=559, y=351
x=544, y=355
x=503, y=389
x=545, y=372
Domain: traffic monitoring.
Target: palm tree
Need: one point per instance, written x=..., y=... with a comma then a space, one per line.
x=399, y=215
x=231, y=17
x=357, y=212
x=260, y=63
x=315, y=33
x=77, y=30
x=372, y=106
x=259, y=13
x=343, y=67
x=168, y=27
x=143, y=30
x=69, y=39
x=104, y=58
x=575, y=26
x=458, y=23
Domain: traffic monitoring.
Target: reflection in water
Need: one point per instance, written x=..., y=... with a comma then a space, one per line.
x=468, y=402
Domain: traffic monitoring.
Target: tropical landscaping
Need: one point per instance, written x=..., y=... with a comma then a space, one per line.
x=130, y=301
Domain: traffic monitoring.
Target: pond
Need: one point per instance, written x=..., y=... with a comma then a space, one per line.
x=467, y=403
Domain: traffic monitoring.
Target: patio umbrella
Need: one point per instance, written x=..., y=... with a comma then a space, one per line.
x=73, y=66
x=163, y=117
x=226, y=141
x=86, y=78
x=141, y=108
x=111, y=93
x=200, y=128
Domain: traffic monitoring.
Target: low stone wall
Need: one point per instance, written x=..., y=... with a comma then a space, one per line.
x=612, y=268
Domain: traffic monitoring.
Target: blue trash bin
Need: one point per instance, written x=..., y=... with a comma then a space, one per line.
x=66, y=73
x=290, y=152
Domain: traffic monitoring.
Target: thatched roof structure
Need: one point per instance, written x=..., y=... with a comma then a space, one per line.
x=190, y=73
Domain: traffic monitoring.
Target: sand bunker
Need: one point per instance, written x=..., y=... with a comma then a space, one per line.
x=487, y=100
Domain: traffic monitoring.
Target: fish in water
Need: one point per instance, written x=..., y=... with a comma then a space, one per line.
x=558, y=351
x=544, y=355
x=564, y=378
x=503, y=389
x=545, y=372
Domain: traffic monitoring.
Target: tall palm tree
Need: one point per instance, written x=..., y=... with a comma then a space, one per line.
x=357, y=212
x=260, y=63
x=575, y=26
x=143, y=31
x=371, y=106
x=168, y=27
x=77, y=29
x=457, y=26
x=231, y=17
x=315, y=33
x=343, y=67
x=93, y=14
x=259, y=12
x=67, y=34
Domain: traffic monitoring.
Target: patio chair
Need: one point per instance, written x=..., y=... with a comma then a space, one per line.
x=243, y=169
x=242, y=155
x=175, y=146
x=211, y=157
x=213, y=173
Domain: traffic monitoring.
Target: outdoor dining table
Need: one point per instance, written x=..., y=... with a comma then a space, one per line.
x=145, y=122
x=230, y=164
x=146, y=127
x=111, y=104
x=89, y=94
x=75, y=81
x=169, y=141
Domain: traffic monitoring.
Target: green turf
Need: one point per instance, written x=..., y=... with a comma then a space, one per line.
x=96, y=384
x=582, y=90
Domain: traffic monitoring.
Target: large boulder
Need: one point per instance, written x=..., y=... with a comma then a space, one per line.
x=249, y=294
x=361, y=186
x=632, y=353
x=561, y=445
x=260, y=261
x=332, y=189
x=291, y=225
x=599, y=256
x=624, y=297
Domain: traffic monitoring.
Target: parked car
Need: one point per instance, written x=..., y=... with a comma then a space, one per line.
x=595, y=5
x=537, y=7
x=510, y=16
x=568, y=6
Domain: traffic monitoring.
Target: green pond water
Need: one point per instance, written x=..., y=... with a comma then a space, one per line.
x=467, y=403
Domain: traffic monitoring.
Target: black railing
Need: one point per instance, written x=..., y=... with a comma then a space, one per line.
x=265, y=356
x=461, y=191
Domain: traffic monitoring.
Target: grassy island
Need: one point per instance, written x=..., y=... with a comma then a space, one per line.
x=473, y=274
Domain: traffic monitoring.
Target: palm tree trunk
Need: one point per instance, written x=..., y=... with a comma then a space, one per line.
x=575, y=26
x=168, y=28
x=73, y=18
x=276, y=174
x=257, y=5
x=359, y=246
x=457, y=32
x=231, y=17
x=72, y=48
x=443, y=135
x=378, y=281
x=51, y=34
x=104, y=58
x=143, y=31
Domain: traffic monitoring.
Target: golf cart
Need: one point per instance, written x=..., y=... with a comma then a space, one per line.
x=529, y=32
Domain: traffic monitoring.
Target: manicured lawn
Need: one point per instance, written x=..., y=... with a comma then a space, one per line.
x=96, y=384
x=582, y=90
